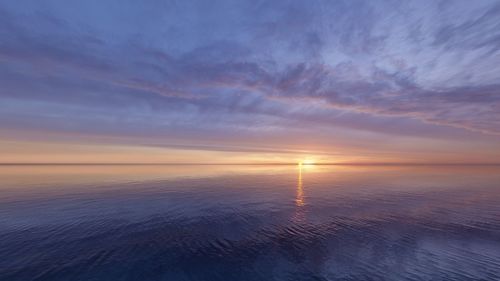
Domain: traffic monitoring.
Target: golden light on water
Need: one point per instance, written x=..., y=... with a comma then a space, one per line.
x=299, y=198
x=303, y=165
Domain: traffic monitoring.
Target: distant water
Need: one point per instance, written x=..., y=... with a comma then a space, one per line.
x=249, y=223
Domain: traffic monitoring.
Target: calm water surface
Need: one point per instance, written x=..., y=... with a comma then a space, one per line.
x=249, y=223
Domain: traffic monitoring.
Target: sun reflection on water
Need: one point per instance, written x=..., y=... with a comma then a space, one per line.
x=299, y=198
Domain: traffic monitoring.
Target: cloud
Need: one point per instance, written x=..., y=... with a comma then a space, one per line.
x=259, y=64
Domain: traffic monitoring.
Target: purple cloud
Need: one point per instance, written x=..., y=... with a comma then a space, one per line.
x=251, y=66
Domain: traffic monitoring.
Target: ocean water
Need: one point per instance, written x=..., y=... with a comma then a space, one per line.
x=241, y=222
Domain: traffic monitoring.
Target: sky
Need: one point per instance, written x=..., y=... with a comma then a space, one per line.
x=249, y=81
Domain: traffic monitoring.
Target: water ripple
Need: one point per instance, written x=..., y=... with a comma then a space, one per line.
x=268, y=227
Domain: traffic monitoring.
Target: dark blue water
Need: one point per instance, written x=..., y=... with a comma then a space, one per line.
x=249, y=223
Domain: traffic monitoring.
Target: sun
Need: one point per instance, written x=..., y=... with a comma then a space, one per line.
x=306, y=162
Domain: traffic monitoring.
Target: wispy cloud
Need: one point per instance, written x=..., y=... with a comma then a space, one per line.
x=252, y=65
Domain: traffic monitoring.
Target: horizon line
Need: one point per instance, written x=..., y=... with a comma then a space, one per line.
x=256, y=164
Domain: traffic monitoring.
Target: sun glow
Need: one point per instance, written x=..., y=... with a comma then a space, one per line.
x=306, y=162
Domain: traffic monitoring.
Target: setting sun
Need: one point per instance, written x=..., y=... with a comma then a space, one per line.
x=307, y=162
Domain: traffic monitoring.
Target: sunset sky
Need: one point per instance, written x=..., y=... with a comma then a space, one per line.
x=249, y=81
